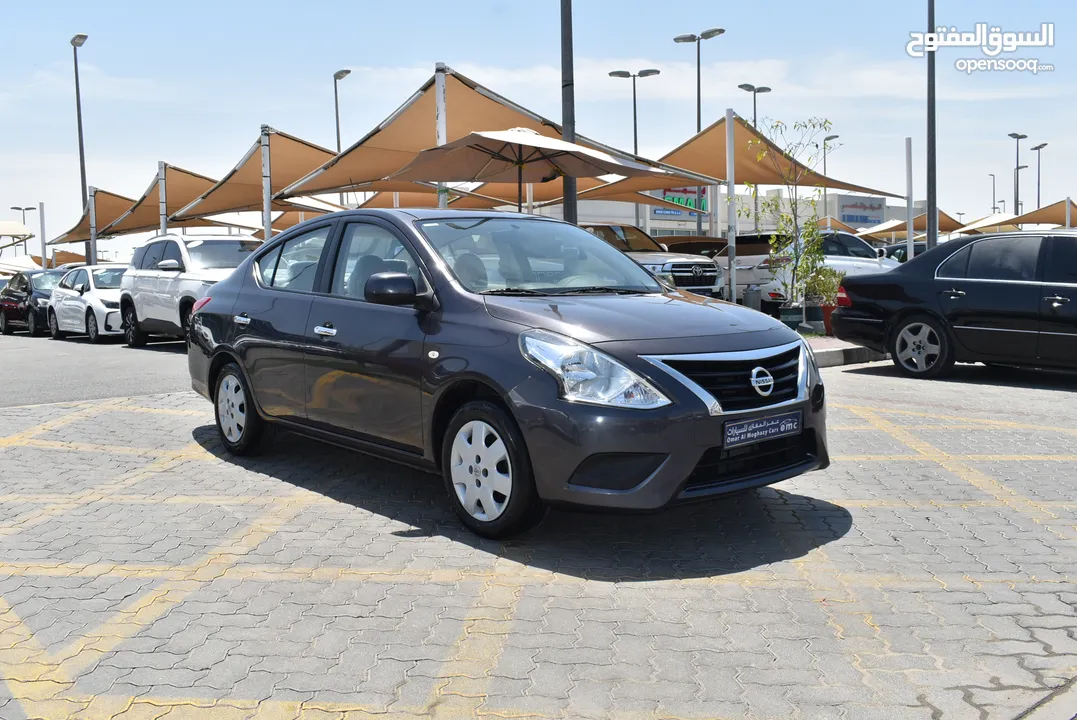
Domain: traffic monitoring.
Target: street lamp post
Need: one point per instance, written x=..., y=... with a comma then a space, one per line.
x=1018, y=137
x=959, y=218
x=826, y=202
x=649, y=72
x=755, y=91
x=1038, y=148
x=1002, y=202
x=1017, y=204
x=994, y=205
x=337, y=77
x=23, y=210
x=698, y=39
x=77, y=42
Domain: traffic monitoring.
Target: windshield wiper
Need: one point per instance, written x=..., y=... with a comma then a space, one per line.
x=602, y=289
x=512, y=291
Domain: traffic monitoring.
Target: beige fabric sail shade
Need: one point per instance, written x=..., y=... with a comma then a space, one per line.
x=998, y=222
x=834, y=224
x=241, y=189
x=108, y=207
x=899, y=227
x=181, y=187
x=1053, y=214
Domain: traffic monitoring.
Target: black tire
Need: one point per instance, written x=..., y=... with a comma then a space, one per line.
x=54, y=327
x=5, y=326
x=185, y=318
x=132, y=333
x=523, y=509
x=254, y=434
x=31, y=324
x=93, y=332
x=923, y=363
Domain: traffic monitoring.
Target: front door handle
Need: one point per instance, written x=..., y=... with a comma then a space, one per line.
x=954, y=293
x=241, y=319
x=1057, y=300
x=325, y=330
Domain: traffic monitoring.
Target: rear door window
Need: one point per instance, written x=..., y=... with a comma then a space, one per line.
x=857, y=248
x=832, y=247
x=1004, y=258
x=297, y=261
x=136, y=259
x=956, y=266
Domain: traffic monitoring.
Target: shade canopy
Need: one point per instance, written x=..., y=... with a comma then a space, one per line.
x=417, y=200
x=1053, y=214
x=469, y=107
x=108, y=207
x=884, y=230
x=241, y=189
x=834, y=224
x=20, y=263
x=181, y=187
x=705, y=153
x=999, y=222
x=15, y=230
x=288, y=219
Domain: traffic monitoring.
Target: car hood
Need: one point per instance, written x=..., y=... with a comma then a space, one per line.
x=108, y=294
x=212, y=274
x=655, y=258
x=617, y=318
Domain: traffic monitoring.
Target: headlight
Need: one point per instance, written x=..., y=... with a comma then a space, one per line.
x=812, y=365
x=42, y=301
x=659, y=272
x=587, y=375
x=111, y=304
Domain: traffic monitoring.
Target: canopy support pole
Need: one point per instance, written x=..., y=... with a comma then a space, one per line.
x=396, y=199
x=731, y=204
x=440, y=125
x=91, y=201
x=910, y=248
x=1069, y=204
x=531, y=199
x=162, y=202
x=267, y=186
x=712, y=212
x=44, y=248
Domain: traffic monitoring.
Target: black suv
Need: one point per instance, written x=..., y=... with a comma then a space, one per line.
x=526, y=360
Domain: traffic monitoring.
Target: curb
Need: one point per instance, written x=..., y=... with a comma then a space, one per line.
x=1059, y=705
x=835, y=357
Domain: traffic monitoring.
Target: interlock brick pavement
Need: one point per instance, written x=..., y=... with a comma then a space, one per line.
x=930, y=572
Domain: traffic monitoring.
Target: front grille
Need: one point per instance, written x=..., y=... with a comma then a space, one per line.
x=729, y=381
x=684, y=277
x=719, y=466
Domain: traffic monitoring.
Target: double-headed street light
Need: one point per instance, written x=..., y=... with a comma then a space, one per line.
x=1038, y=148
x=755, y=91
x=1016, y=181
x=337, y=77
x=77, y=42
x=697, y=39
x=649, y=72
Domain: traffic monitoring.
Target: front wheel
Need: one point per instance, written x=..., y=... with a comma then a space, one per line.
x=31, y=324
x=921, y=348
x=488, y=472
x=241, y=430
x=92, y=331
x=54, y=327
x=131, y=332
x=5, y=327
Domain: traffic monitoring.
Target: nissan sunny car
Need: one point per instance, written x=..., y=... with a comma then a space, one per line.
x=525, y=360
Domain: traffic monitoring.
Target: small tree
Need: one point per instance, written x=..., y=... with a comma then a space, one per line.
x=793, y=151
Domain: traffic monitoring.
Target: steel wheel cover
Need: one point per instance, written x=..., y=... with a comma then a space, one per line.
x=481, y=471
x=231, y=408
x=918, y=347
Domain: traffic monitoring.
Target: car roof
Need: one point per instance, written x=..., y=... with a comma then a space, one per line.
x=439, y=214
x=193, y=238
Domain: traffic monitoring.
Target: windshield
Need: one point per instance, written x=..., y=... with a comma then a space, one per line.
x=46, y=280
x=626, y=238
x=108, y=279
x=220, y=254
x=532, y=257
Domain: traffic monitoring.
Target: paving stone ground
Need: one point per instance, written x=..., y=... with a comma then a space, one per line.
x=930, y=572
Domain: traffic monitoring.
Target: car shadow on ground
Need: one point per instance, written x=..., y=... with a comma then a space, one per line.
x=977, y=374
x=167, y=345
x=732, y=534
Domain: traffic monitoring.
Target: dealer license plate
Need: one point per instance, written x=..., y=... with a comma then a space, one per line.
x=745, y=432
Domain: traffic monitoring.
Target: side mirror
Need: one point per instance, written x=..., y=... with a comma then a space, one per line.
x=881, y=252
x=170, y=265
x=82, y=288
x=390, y=288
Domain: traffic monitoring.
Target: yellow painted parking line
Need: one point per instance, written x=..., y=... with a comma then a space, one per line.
x=167, y=411
x=977, y=422
x=975, y=457
x=1039, y=512
x=79, y=412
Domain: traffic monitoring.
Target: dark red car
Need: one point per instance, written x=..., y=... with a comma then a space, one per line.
x=24, y=302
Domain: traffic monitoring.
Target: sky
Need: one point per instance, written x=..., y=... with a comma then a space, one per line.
x=192, y=83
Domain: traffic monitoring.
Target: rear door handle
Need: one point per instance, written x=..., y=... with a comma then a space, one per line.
x=954, y=293
x=325, y=330
x=1057, y=300
x=241, y=319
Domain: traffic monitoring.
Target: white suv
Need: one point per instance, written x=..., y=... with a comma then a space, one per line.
x=169, y=274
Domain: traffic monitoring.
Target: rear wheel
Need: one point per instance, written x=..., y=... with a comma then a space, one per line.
x=31, y=324
x=921, y=348
x=5, y=327
x=240, y=428
x=92, y=331
x=488, y=472
x=131, y=331
x=54, y=327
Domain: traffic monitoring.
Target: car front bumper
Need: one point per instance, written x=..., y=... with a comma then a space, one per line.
x=110, y=322
x=633, y=460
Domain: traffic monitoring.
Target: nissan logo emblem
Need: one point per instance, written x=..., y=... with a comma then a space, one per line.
x=697, y=270
x=762, y=381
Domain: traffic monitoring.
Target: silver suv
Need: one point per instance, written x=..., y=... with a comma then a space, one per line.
x=169, y=274
x=694, y=273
